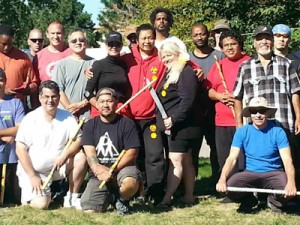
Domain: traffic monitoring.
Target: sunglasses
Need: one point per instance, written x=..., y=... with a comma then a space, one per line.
x=258, y=110
x=281, y=35
x=80, y=40
x=35, y=40
x=114, y=44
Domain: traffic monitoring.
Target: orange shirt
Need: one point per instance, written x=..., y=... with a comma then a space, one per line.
x=18, y=69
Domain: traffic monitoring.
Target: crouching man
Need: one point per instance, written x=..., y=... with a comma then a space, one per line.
x=268, y=159
x=104, y=137
x=41, y=138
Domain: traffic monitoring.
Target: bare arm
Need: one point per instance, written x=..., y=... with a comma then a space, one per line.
x=127, y=159
x=296, y=106
x=238, y=106
x=228, y=167
x=290, y=188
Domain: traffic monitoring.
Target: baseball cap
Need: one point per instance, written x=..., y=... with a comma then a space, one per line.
x=221, y=24
x=131, y=29
x=281, y=28
x=114, y=36
x=259, y=103
x=263, y=30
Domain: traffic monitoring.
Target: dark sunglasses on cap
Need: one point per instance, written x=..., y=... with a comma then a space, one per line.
x=114, y=44
x=258, y=110
x=281, y=35
x=35, y=40
x=80, y=40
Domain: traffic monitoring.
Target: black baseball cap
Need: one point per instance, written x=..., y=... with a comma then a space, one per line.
x=114, y=37
x=263, y=30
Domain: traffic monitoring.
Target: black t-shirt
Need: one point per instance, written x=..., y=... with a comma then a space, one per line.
x=110, y=138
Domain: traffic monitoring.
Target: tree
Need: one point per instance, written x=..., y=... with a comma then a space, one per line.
x=25, y=15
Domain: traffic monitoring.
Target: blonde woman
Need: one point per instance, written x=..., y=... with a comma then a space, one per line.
x=178, y=94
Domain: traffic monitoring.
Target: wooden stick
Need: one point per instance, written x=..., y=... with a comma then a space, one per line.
x=136, y=94
x=258, y=190
x=112, y=168
x=223, y=81
x=3, y=179
x=71, y=140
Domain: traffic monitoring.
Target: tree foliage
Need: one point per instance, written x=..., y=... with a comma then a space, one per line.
x=244, y=16
x=26, y=15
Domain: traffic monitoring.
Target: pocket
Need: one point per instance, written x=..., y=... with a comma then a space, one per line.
x=280, y=84
x=249, y=86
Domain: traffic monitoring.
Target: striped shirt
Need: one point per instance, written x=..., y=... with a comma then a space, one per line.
x=277, y=83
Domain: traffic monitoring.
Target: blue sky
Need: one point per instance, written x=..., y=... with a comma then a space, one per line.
x=92, y=7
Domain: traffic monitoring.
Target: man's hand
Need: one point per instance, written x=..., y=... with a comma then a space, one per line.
x=88, y=73
x=226, y=98
x=221, y=186
x=102, y=172
x=36, y=184
x=8, y=139
x=290, y=190
x=9, y=91
x=59, y=161
x=297, y=126
x=73, y=108
x=199, y=73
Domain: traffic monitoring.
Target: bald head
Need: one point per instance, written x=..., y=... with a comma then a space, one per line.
x=35, y=41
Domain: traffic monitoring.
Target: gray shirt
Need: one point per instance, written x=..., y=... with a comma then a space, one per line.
x=69, y=75
x=206, y=62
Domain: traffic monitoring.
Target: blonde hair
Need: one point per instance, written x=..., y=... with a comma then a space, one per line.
x=176, y=68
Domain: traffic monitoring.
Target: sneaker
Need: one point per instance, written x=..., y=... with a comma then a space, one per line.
x=274, y=208
x=248, y=205
x=67, y=201
x=76, y=201
x=122, y=207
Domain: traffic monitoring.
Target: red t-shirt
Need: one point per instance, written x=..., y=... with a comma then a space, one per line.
x=224, y=116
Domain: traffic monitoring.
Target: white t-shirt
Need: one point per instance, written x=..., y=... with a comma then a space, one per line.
x=171, y=38
x=45, y=140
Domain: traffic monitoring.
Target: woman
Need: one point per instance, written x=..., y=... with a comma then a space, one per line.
x=109, y=72
x=178, y=93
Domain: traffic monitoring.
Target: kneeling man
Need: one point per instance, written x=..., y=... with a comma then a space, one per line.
x=41, y=138
x=268, y=159
x=103, y=139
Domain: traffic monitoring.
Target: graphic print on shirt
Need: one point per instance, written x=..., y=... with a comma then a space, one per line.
x=106, y=151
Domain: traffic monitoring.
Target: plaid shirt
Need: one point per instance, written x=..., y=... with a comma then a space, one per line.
x=277, y=84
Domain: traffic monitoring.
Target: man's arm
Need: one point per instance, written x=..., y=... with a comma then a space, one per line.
x=71, y=107
x=100, y=171
x=229, y=165
x=24, y=158
x=238, y=107
x=290, y=188
x=296, y=106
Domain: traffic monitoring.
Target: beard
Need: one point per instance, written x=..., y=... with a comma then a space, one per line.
x=264, y=52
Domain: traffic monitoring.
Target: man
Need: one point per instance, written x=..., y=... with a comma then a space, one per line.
x=273, y=78
x=261, y=140
x=69, y=75
x=144, y=63
x=203, y=55
x=131, y=38
x=162, y=21
x=12, y=112
x=35, y=41
x=21, y=80
x=282, y=39
x=219, y=26
x=46, y=59
x=104, y=137
x=41, y=138
x=231, y=44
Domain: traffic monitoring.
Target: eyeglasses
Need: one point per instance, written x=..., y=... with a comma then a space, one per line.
x=35, y=40
x=281, y=35
x=230, y=45
x=114, y=44
x=258, y=110
x=80, y=40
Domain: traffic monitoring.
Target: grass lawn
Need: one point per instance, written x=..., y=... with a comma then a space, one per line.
x=208, y=211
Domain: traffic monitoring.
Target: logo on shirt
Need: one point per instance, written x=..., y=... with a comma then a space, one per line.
x=153, y=70
x=106, y=151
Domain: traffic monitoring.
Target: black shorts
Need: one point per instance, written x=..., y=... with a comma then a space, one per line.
x=182, y=146
x=97, y=199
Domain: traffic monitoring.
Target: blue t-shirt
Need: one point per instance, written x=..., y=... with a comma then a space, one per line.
x=261, y=146
x=11, y=113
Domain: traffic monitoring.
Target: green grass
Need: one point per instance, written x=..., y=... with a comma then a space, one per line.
x=208, y=211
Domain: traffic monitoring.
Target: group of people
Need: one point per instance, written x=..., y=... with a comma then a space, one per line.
x=204, y=92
